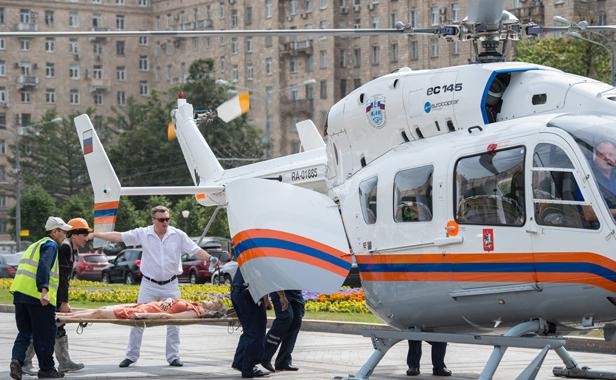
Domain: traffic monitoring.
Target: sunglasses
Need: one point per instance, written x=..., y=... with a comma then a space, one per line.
x=162, y=220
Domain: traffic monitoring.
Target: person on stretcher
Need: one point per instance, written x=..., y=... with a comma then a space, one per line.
x=167, y=309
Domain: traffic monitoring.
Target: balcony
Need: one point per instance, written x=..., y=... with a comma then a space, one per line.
x=297, y=47
x=99, y=38
x=100, y=85
x=534, y=13
x=27, y=81
x=296, y=107
x=27, y=27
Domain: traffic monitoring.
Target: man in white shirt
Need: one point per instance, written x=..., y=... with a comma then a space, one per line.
x=162, y=248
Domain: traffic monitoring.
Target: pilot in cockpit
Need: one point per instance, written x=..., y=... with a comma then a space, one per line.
x=603, y=166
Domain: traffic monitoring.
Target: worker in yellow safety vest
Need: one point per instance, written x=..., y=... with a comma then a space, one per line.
x=34, y=292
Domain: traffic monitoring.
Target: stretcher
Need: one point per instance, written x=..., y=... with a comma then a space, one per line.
x=229, y=318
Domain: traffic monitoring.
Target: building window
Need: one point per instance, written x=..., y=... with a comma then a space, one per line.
x=309, y=91
x=24, y=44
x=25, y=16
x=235, y=74
x=2, y=68
x=50, y=70
x=73, y=71
x=49, y=18
x=323, y=59
x=414, y=50
x=322, y=4
x=393, y=19
x=73, y=46
x=120, y=48
x=73, y=19
x=455, y=47
x=269, y=41
x=269, y=94
x=268, y=8
x=234, y=22
x=143, y=40
x=308, y=6
x=250, y=71
x=97, y=72
x=74, y=97
x=248, y=16
x=2, y=152
x=323, y=89
x=269, y=67
x=97, y=48
x=121, y=98
x=3, y=98
x=434, y=16
x=309, y=63
x=168, y=72
x=343, y=87
x=342, y=58
x=119, y=22
x=143, y=63
x=222, y=63
x=50, y=96
x=1, y=15
x=121, y=73
x=143, y=88
x=375, y=57
x=413, y=16
x=97, y=97
x=357, y=57
x=2, y=44
x=375, y=22
x=434, y=48
x=455, y=12
x=249, y=45
x=221, y=12
x=26, y=96
x=143, y=3
x=50, y=45
x=119, y=2
x=234, y=48
x=292, y=7
x=97, y=21
x=293, y=65
x=394, y=53
x=356, y=83
x=2, y=120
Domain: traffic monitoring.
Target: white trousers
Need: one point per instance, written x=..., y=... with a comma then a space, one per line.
x=149, y=291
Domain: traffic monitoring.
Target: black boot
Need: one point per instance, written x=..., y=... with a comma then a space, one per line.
x=49, y=374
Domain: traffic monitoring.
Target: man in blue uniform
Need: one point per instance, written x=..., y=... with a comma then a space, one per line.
x=438, y=358
x=252, y=316
x=284, y=331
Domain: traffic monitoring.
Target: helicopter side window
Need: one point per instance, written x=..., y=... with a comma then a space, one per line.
x=413, y=195
x=367, y=198
x=489, y=188
x=557, y=198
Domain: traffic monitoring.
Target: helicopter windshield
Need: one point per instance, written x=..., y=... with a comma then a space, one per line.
x=596, y=138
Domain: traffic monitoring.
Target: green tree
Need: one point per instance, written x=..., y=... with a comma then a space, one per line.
x=51, y=157
x=77, y=206
x=198, y=218
x=36, y=206
x=568, y=54
x=128, y=216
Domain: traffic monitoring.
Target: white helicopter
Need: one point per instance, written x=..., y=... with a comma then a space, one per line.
x=469, y=196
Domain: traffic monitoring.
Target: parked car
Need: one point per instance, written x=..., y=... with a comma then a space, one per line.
x=196, y=270
x=224, y=274
x=9, y=263
x=125, y=267
x=89, y=266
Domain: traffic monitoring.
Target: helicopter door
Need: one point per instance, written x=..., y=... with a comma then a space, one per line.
x=286, y=237
x=567, y=230
x=496, y=257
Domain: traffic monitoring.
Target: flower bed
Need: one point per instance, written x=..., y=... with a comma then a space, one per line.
x=347, y=300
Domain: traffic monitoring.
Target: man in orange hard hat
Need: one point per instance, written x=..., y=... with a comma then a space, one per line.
x=76, y=239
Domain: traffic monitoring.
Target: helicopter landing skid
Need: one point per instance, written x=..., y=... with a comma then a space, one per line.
x=382, y=341
x=582, y=373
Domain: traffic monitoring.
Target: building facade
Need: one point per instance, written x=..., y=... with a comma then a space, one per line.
x=289, y=78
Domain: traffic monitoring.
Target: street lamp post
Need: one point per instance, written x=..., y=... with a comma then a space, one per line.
x=185, y=215
x=18, y=134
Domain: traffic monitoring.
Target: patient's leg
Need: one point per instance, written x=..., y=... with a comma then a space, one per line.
x=89, y=314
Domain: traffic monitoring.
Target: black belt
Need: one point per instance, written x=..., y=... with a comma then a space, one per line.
x=160, y=282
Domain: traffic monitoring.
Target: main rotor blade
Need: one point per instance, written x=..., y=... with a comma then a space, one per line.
x=235, y=32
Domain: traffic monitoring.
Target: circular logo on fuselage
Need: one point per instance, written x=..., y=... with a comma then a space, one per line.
x=375, y=110
x=428, y=107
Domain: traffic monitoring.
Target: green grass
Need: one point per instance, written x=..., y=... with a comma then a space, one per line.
x=7, y=298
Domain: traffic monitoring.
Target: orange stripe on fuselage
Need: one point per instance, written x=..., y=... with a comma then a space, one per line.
x=267, y=252
x=286, y=236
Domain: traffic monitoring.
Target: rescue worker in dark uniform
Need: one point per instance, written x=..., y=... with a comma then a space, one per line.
x=34, y=291
x=438, y=358
x=252, y=316
x=284, y=331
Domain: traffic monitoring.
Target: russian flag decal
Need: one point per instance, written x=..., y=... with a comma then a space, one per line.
x=87, y=142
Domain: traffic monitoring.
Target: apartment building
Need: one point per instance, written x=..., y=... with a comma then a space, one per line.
x=289, y=78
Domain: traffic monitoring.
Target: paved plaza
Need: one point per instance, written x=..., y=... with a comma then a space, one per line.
x=207, y=352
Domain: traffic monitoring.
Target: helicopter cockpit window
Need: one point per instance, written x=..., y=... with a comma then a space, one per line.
x=557, y=198
x=489, y=188
x=413, y=195
x=367, y=198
